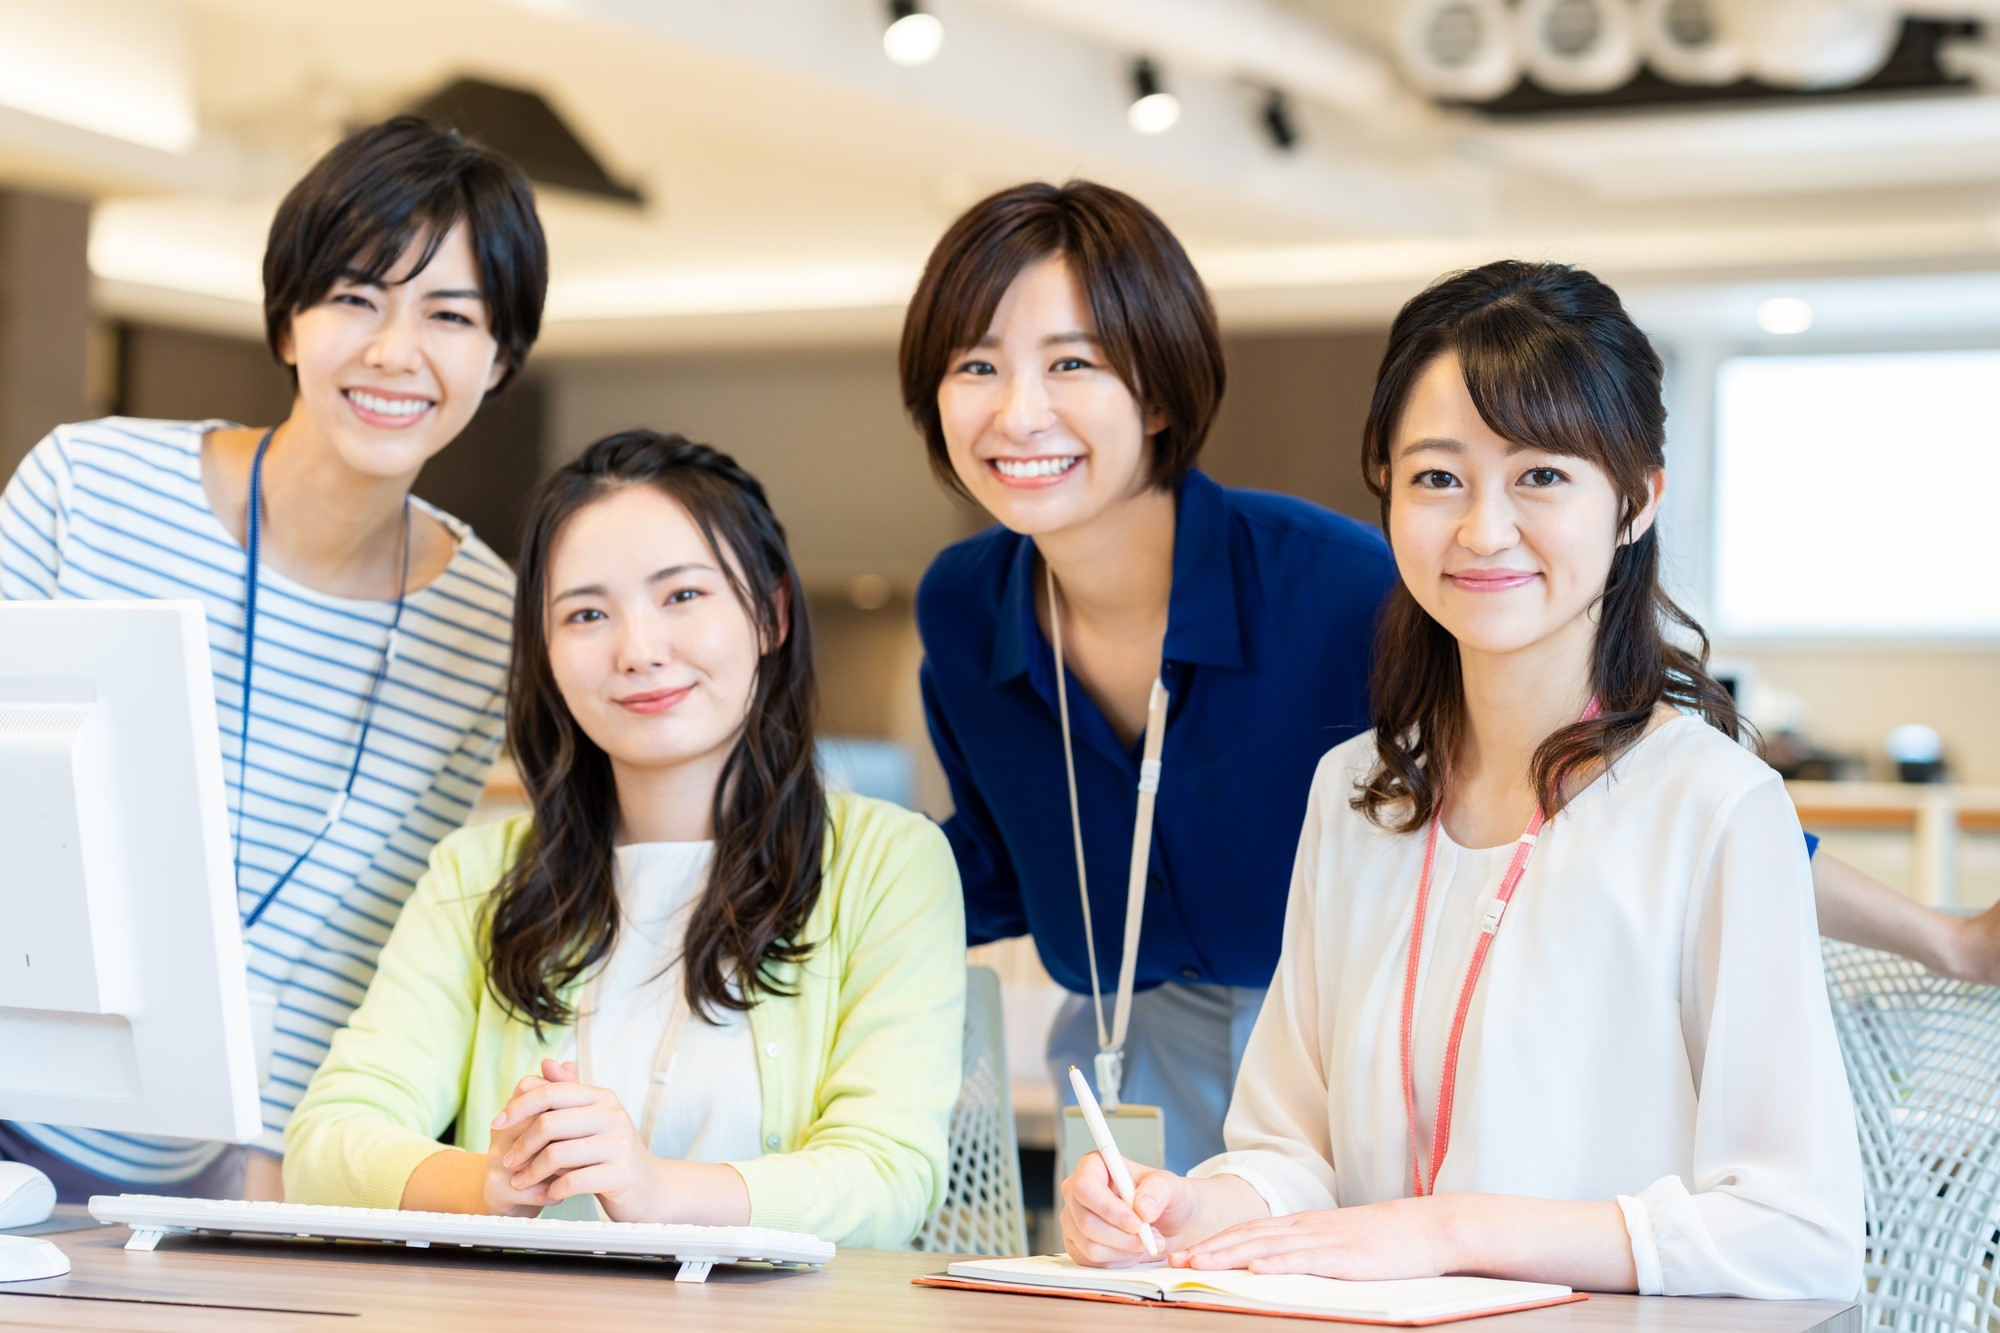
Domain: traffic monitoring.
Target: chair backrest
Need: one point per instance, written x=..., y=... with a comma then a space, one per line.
x=1923, y=1060
x=982, y=1211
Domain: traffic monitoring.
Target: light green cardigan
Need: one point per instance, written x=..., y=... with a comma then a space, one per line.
x=859, y=1069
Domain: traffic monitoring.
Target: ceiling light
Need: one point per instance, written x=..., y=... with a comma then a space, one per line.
x=912, y=37
x=1153, y=109
x=1278, y=121
x=1784, y=315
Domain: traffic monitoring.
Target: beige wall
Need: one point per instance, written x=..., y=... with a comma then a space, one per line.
x=1292, y=418
x=44, y=319
x=824, y=430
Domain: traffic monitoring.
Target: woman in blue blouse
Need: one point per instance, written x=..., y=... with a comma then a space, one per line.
x=1062, y=361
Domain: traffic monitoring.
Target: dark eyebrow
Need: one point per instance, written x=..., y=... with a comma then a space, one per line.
x=658, y=575
x=1450, y=446
x=1073, y=336
x=360, y=279
x=1445, y=446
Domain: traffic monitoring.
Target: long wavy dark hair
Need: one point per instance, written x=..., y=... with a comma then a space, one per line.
x=555, y=913
x=1551, y=360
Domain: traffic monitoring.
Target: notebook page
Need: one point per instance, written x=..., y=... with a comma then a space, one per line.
x=1397, y=1301
x=1064, y=1273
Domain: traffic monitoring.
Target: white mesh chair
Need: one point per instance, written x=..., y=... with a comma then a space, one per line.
x=1923, y=1060
x=982, y=1211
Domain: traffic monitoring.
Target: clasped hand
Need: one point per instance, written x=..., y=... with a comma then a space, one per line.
x=1212, y=1224
x=559, y=1137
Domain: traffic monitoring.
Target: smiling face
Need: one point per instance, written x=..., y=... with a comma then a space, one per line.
x=390, y=373
x=1505, y=545
x=1039, y=427
x=650, y=648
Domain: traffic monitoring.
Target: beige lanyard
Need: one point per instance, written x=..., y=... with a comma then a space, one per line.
x=664, y=1055
x=1110, y=1063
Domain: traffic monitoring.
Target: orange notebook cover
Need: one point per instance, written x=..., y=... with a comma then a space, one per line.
x=1409, y=1303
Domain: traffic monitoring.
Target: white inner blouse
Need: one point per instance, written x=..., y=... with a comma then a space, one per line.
x=711, y=1103
x=1463, y=883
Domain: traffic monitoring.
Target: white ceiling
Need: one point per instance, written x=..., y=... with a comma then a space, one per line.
x=796, y=178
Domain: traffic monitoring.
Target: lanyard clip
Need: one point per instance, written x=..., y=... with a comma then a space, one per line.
x=1110, y=1076
x=1494, y=911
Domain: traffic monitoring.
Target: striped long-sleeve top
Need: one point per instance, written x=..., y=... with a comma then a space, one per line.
x=115, y=509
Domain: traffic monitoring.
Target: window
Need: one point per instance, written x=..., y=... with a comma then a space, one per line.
x=1858, y=495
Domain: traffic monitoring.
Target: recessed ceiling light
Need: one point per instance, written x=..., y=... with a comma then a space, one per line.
x=912, y=37
x=1785, y=314
x=870, y=592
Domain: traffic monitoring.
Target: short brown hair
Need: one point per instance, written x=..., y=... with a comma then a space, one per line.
x=1153, y=316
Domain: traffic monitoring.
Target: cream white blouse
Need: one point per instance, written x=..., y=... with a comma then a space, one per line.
x=711, y=1101
x=1651, y=1025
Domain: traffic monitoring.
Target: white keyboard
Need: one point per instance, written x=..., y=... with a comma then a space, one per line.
x=697, y=1249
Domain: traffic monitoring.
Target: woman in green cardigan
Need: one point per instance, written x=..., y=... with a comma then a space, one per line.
x=692, y=983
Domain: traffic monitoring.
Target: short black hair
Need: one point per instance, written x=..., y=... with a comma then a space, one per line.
x=385, y=186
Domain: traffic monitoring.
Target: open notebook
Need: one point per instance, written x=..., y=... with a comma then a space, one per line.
x=1408, y=1302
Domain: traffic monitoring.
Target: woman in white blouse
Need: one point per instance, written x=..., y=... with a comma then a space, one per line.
x=1643, y=1093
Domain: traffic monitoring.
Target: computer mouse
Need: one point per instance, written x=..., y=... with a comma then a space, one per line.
x=26, y=1196
x=25, y=1258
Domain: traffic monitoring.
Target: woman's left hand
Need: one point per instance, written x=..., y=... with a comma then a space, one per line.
x=1396, y=1239
x=581, y=1140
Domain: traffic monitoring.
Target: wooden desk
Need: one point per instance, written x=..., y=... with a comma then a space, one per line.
x=198, y=1285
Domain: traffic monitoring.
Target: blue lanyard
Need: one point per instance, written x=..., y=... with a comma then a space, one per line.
x=253, y=542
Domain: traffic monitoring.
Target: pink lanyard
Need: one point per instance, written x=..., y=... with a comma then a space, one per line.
x=1448, y=1082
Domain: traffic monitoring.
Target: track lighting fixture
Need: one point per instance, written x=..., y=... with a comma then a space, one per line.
x=1277, y=118
x=912, y=37
x=1153, y=109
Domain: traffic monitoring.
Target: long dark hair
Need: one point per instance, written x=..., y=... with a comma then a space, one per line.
x=1551, y=360
x=555, y=913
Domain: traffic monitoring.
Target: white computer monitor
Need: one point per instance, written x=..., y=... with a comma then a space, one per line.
x=122, y=990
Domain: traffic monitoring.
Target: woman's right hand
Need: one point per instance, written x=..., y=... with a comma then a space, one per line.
x=497, y=1191
x=1100, y=1230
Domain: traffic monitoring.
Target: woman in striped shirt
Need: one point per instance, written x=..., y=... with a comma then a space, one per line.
x=359, y=637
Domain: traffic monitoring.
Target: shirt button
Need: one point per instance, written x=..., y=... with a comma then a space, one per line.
x=771, y=1049
x=772, y=1141
x=1191, y=973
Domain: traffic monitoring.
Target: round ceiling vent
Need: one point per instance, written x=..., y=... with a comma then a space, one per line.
x=1462, y=50
x=1692, y=41
x=1578, y=46
x=1817, y=43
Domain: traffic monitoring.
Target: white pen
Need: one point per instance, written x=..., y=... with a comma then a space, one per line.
x=1114, y=1161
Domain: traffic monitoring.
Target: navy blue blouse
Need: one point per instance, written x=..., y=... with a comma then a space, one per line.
x=1270, y=627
